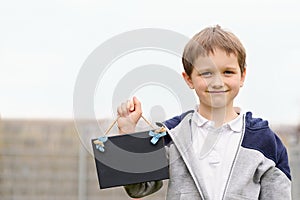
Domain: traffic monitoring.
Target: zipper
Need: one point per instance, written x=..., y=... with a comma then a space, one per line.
x=191, y=172
x=235, y=157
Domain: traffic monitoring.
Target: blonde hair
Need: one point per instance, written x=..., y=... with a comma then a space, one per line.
x=206, y=41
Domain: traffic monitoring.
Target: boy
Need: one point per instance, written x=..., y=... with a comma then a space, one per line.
x=216, y=151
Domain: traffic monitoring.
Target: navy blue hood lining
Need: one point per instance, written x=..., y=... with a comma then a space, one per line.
x=258, y=136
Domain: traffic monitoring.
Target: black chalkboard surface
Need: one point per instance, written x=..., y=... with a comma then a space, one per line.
x=129, y=159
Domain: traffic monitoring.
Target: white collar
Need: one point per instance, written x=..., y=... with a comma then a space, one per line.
x=235, y=125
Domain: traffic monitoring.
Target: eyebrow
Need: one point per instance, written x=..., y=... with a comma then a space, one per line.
x=205, y=67
x=231, y=68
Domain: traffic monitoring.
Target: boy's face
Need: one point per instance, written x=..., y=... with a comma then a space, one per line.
x=216, y=79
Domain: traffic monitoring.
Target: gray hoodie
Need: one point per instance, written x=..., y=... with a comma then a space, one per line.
x=260, y=169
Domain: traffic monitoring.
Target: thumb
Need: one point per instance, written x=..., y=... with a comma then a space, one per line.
x=136, y=105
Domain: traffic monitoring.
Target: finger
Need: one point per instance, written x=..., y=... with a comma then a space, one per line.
x=131, y=106
x=122, y=110
x=125, y=108
x=137, y=105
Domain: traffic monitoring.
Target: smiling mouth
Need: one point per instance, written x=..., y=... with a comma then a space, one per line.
x=217, y=92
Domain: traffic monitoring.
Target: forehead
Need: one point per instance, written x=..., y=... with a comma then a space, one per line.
x=217, y=59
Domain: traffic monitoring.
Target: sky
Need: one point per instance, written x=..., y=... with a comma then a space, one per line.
x=44, y=44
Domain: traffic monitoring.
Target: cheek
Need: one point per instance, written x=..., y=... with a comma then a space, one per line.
x=201, y=87
x=234, y=83
x=201, y=83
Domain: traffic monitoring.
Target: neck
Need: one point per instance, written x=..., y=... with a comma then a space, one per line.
x=218, y=115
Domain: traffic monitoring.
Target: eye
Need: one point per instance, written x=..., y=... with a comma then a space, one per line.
x=228, y=72
x=205, y=74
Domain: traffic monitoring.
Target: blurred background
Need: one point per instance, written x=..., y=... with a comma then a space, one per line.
x=43, y=45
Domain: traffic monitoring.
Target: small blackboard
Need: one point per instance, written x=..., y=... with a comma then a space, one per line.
x=129, y=159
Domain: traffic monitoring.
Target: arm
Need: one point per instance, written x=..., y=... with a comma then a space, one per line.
x=143, y=189
x=129, y=114
x=275, y=185
x=276, y=182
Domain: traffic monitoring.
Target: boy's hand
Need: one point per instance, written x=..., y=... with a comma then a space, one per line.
x=129, y=113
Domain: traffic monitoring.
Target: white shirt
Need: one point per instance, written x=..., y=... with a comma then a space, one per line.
x=216, y=149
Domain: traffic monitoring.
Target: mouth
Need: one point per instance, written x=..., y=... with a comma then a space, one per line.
x=218, y=92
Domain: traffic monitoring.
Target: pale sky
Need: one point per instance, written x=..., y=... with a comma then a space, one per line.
x=43, y=45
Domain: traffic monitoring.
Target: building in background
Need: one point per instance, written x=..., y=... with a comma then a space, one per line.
x=45, y=160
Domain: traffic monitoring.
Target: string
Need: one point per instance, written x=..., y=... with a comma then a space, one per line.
x=101, y=140
x=111, y=125
x=148, y=122
x=115, y=121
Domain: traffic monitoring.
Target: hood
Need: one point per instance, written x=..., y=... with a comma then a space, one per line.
x=255, y=123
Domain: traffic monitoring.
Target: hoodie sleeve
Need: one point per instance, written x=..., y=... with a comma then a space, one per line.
x=143, y=189
x=276, y=181
x=274, y=171
x=275, y=185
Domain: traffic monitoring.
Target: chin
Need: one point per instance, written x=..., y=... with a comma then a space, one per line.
x=218, y=105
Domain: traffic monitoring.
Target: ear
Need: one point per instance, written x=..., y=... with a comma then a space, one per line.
x=243, y=77
x=188, y=80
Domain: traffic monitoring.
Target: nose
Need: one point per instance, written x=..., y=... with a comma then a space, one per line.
x=217, y=81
